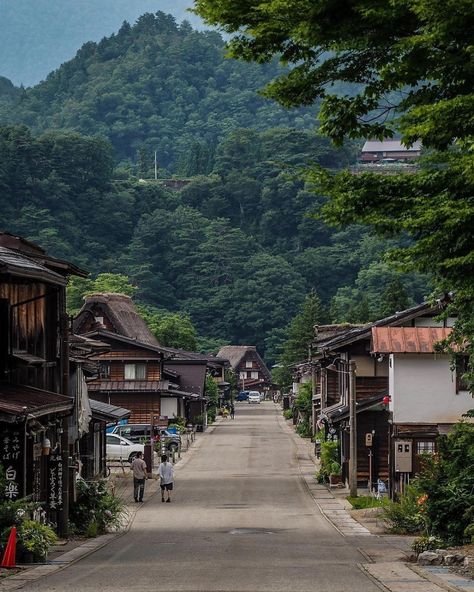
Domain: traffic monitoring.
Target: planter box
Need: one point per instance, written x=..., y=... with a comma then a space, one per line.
x=335, y=481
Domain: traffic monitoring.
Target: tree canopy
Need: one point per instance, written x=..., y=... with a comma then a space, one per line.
x=407, y=67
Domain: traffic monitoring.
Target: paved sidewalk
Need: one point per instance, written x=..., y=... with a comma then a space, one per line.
x=332, y=508
x=123, y=487
x=386, y=565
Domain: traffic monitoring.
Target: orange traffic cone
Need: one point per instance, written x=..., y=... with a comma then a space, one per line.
x=10, y=551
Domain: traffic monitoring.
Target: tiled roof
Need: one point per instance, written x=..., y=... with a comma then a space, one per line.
x=405, y=340
x=17, y=400
x=108, y=412
x=19, y=265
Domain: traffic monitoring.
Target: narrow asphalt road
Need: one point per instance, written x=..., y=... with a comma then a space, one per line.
x=241, y=520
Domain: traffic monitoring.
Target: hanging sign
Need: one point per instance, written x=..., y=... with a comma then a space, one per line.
x=11, y=458
x=55, y=480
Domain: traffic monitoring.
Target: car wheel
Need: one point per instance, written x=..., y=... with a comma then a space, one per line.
x=132, y=457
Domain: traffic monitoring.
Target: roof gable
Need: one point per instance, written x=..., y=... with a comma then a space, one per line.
x=122, y=314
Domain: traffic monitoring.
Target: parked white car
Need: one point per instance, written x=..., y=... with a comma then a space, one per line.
x=254, y=397
x=119, y=448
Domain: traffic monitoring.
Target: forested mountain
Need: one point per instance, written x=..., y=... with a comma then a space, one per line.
x=236, y=249
x=156, y=86
x=37, y=36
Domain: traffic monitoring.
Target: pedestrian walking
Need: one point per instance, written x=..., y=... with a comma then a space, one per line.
x=232, y=411
x=165, y=472
x=139, y=471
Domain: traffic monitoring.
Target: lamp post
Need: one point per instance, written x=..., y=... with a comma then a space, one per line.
x=352, y=430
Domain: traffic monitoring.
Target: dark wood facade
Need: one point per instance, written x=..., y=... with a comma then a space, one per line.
x=34, y=381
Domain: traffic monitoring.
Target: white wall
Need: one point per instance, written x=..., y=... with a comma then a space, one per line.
x=423, y=390
x=169, y=406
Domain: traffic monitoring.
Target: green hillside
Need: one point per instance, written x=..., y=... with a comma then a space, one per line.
x=37, y=36
x=155, y=86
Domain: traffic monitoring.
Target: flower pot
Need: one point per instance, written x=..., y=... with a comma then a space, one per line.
x=335, y=480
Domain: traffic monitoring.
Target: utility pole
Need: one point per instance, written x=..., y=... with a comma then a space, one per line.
x=313, y=390
x=353, y=430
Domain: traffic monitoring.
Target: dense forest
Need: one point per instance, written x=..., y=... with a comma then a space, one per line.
x=37, y=36
x=239, y=246
x=155, y=86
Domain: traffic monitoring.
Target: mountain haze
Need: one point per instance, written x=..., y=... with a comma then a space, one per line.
x=37, y=36
x=156, y=85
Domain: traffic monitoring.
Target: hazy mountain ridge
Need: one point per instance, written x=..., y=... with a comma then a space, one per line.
x=37, y=36
x=156, y=85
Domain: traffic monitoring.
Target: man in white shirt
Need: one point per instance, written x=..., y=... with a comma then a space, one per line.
x=165, y=472
x=139, y=471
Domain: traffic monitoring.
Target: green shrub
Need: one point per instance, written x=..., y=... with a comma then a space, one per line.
x=95, y=504
x=36, y=538
x=329, y=457
x=362, y=502
x=288, y=414
x=469, y=534
x=303, y=429
x=447, y=479
x=406, y=516
x=92, y=530
x=426, y=543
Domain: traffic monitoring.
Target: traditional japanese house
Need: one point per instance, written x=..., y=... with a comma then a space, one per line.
x=34, y=376
x=427, y=392
x=87, y=424
x=331, y=357
x=401, y=386
x=251, y=371
x=138, y=373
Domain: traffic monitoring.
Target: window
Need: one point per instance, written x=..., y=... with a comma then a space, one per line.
x=254, y=374
x=104, y=370
x=135, y=371
x=99, y=320
x=249, y=364
x=425, y=447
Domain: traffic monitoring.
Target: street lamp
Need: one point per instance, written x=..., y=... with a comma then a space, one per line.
x=352, y=423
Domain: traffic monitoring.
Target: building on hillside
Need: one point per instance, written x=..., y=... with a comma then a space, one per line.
x=36, y=435
x=251, y=371
x=405, y=377
x=389, y=151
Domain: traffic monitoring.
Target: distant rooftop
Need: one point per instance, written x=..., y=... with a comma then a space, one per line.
x=389, y=146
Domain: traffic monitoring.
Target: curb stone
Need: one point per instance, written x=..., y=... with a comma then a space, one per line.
x=396, y=576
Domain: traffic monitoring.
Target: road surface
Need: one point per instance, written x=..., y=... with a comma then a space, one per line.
x=241, y=520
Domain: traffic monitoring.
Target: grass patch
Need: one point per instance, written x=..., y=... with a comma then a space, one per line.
x=362, y=502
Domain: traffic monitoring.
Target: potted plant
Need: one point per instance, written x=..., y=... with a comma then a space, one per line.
x=35, y=540
x=335, y=474
x=200, y=422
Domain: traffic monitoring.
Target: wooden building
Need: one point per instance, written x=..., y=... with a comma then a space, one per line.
x=374, y=384
x=251, y=371
x=137, y=373
x=34, y=377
